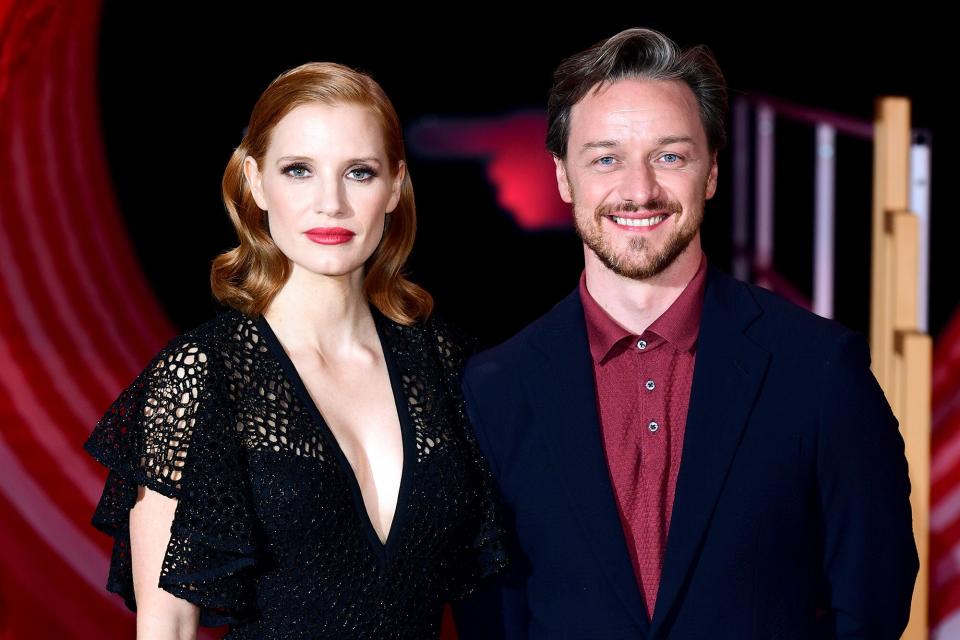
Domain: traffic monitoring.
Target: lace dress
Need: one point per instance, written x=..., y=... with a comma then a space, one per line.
x=270, y=533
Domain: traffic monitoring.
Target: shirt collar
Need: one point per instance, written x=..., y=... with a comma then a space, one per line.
x=679, y=325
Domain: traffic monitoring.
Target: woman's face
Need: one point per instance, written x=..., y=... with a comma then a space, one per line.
x=325, y=184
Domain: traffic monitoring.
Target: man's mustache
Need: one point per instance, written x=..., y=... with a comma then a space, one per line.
x=628, y=206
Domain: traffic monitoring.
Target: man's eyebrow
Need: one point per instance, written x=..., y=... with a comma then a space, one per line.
x=674, y=140
x=611, y=144
x=599, y=144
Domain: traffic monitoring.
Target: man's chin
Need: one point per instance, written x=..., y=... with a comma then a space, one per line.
x=630, y=268
x=638, y=272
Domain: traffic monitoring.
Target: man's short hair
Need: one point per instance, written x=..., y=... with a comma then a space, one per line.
x=637, y=53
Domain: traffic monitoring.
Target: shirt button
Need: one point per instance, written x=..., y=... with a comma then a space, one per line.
x=651, y=385
x=653, y=426
x=641, y=344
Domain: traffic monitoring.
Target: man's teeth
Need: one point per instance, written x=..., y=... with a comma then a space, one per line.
x=638, y=222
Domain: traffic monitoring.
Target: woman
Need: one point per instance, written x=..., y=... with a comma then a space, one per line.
x=301, y=465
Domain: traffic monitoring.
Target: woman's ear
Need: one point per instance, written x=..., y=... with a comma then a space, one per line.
x=397, y=186
x=255, y=180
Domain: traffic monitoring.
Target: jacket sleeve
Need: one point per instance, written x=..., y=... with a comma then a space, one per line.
x=870, y=559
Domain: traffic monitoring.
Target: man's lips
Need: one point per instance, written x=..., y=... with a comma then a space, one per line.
x=638, y=220
x=330, y=235
x=639, y=215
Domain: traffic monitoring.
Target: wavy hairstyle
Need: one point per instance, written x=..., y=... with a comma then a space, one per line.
x=249, y=276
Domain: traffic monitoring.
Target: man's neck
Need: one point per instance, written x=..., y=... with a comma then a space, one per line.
x=636, y=304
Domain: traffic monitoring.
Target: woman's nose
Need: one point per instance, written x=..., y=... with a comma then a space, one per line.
x=328, y=196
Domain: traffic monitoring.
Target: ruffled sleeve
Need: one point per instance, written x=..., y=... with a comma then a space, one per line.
x=171, y=432
x=484, y=552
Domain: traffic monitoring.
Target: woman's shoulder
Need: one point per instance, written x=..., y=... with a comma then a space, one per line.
x=216, y=334
x=453, y=343
x=439, y=337
x=208, y=350
x=148, y=428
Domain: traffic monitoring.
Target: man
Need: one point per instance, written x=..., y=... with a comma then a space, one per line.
x=681, y=455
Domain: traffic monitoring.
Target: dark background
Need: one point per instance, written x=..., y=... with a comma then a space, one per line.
x=177, y=89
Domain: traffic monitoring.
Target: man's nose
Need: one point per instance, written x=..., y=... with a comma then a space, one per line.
x=639, y=184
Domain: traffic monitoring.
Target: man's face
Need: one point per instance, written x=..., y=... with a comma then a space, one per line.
x=638, y=173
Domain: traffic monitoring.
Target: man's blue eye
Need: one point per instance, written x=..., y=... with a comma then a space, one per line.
x=601, y=160
x=675, y=157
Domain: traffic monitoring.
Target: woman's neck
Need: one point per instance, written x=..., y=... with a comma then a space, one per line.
x=328, y=315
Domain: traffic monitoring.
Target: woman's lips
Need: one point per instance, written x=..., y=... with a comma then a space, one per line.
x=330, y=235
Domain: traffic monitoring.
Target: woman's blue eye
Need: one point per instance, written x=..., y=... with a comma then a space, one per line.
x=361, y=174
x=296, y=171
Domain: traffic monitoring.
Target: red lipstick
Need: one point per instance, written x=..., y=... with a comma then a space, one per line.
x=330, y=235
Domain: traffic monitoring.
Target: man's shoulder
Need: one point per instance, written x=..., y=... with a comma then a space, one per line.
x=517, y=352
x=783, y=317
x=774, y=322
x=780, y=325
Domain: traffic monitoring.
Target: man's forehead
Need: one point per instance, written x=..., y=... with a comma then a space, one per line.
x=633, y=107
x=638, y=86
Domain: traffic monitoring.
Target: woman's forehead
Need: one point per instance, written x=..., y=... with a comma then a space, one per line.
x=323, y=130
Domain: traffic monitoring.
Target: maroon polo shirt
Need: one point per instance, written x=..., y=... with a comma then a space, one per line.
x=643, y=392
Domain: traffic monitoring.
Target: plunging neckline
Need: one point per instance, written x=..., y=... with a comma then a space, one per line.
x=383, y=549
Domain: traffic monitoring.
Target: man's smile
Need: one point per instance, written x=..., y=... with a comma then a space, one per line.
x=636, y=223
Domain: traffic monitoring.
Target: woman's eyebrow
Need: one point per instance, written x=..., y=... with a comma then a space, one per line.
x=293, y=159
x=370, y=159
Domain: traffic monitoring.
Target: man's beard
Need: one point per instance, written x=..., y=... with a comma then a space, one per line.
x=675, y=245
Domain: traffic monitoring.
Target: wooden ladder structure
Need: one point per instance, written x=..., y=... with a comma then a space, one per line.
x=901, y=352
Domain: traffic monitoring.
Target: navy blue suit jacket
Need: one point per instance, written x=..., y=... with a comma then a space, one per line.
x=791, y=517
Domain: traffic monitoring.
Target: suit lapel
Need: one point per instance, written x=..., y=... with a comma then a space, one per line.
x=728, y=373
x=563, y=391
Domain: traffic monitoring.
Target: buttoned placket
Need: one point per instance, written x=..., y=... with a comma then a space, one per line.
x=653, y=426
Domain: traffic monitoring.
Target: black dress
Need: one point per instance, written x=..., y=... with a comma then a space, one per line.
x=271, y=534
